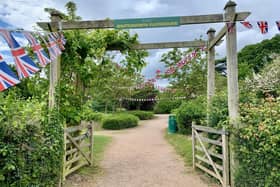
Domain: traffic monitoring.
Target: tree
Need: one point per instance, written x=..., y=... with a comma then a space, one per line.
x=190, y=80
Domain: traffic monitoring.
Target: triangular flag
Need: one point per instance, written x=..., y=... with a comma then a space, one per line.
x=263, y=25
x=247, y=24
x=7, y=76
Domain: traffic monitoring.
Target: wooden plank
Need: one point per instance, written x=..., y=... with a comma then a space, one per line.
x=78, y=138
x=91, y=143
x=207, y=170
x=207, y=140
x=78, y=147
x=208, y=129
x=75, y=168
x=193, y=146
x=207, y=162
x=218, y=37
x=220, y=156
x=76, y=128
x=73, y=160
x=105, y=24
x=209, y=157
x=165, y=45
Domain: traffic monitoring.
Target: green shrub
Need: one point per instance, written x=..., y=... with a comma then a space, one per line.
x=218, y=113
x=142, y=115
x=166, y=106
x=258, y=145
x=193, y=110
x=119, y=121
x=31, y=144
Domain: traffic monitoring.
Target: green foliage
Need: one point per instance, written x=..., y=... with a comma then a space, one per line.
x=182, y=145
x=267, y=81
x=89, y=115
x=119, y=121
x=258, y=144
x=166, y=106
x=142, y=115
x=218, y=113
x=31, y=143
x=253, y=58
x=147, y=92
x=190, y=80
x=193, y=110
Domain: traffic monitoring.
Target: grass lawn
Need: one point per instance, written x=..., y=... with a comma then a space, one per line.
x=182, y=145
x=100, y=144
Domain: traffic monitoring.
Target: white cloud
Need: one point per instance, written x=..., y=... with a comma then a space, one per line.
x=23, y=13
x=149, y=6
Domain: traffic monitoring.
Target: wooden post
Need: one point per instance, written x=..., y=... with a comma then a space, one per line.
x=54, y=67
x=210, y=71
x=91, y=142
x=54, y=79
x=225, y=159
x=193, y=144
x=232, y=82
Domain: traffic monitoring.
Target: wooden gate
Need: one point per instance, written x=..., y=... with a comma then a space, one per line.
x=78, y=148
x=210, y=152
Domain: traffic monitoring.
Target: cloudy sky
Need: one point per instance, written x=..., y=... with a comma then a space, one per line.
x=25, y=13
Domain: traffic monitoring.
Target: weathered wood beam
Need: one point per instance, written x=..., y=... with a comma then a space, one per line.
x=165, y=45
x=218, y=37
x=103, y=24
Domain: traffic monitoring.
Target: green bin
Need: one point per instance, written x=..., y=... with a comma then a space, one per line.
x=172, y=125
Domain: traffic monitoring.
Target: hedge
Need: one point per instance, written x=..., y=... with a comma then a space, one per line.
x=31, y=144
x=142, y=115
x=119, y=121
x=166, y=106
x=193, y=110
x=258, y=145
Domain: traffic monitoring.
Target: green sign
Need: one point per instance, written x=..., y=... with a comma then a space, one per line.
x=146, y=22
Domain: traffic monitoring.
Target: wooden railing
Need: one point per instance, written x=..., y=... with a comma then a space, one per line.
x=211, y=154
x=78, y=148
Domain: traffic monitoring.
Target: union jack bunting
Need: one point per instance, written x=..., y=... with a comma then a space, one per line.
x=53, y=45
x=7, y=76
x=247, y=24
x=62, y=38
x=24, y=64
x=194, y=54
x=38, y=50
x=263, y=26
x=230, y=27
x=278, y=25
x=181, y=63
x=51, y=51
x=58, y=39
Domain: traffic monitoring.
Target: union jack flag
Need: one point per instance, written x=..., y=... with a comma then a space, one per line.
x=263, y=25
x=24, y=64
x=51, y=51
x=278, y=25
x=58, y=40
x=38, y=50
x=7, y=76
x=247, y=24
x=53, y=45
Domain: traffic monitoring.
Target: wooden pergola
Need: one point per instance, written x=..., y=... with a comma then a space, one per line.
x=229, y=16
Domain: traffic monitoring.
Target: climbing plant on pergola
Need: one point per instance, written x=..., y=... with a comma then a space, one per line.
x=230, y=16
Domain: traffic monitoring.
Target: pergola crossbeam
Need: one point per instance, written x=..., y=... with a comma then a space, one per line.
x=105, y=24
x=165, y=45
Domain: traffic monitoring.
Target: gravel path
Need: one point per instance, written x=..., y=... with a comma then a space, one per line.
x=141, y=157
